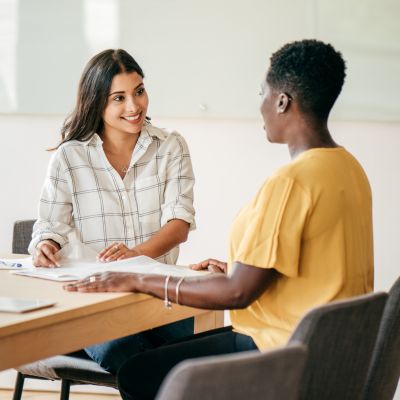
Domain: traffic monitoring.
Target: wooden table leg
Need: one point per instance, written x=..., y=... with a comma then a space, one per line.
x=208, y=321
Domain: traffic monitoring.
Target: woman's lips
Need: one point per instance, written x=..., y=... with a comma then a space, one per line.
x=132, y=119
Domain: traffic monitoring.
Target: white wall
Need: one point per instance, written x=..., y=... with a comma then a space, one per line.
x=231, y=159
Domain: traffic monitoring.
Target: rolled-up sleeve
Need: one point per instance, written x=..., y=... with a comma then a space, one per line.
x=55, y=207
x=180, y=180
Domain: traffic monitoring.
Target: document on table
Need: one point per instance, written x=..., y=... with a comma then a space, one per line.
x=75, y=270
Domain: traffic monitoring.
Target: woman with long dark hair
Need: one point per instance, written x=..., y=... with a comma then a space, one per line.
x=122, y=185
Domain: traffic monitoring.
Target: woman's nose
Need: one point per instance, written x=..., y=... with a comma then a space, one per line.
x=131, y=105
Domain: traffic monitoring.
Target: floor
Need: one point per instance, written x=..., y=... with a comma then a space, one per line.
x=31, y=395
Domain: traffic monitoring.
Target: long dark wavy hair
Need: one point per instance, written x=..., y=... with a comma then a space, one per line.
x=94, y=87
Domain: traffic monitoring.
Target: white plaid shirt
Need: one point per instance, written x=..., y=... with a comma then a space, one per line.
x=83, y=192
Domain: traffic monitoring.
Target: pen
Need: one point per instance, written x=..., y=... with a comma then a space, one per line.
x=10, y=264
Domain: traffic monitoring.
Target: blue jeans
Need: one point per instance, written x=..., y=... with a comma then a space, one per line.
x=112, y=354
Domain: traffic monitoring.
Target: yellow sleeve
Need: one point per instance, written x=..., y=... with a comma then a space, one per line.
x=274, y=222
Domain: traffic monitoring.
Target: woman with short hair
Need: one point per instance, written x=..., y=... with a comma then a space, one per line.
x=304, y=240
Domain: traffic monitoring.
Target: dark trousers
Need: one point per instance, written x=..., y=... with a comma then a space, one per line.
x=141, y=376
x=113, y=354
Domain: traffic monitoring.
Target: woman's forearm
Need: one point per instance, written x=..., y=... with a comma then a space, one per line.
x=170, y=235
x=216, y=291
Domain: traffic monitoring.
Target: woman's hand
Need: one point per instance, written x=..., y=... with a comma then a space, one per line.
x=46, y=254
x=212, y=265
x=116, y=251
x=105, y=282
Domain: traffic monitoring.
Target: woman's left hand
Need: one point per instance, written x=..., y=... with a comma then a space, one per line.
x=105, y=282
x=116, y=251
x=212, y=265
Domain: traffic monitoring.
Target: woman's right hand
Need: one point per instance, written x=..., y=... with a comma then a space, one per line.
x=211, y=265
x=45, y=254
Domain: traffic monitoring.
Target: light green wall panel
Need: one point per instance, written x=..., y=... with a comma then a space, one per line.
x=201, y=59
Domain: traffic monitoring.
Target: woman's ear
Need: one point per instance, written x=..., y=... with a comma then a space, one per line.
x=283, y=102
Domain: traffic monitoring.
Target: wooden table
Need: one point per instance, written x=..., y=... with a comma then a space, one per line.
x=79, y=319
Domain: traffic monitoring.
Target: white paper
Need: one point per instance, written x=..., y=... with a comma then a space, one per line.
x=75, y=250
x=75, y=270
x=78, y=261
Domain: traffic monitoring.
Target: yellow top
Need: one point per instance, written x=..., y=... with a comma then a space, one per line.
x=311, y=222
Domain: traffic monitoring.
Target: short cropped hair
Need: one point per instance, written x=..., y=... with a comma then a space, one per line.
x=311, y=71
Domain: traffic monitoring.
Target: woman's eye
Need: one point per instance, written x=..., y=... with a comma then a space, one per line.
x=118, y=98
x=140, y=91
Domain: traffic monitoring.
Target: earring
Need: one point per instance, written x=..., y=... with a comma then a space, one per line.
x=280, y=111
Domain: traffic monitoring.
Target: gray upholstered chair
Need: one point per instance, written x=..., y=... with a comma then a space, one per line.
x=22, y=235
x=272, y=375
x=340, y=338
x=384, y=371
x=71, y=369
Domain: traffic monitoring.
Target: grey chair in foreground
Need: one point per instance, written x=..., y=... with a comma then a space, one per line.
x=272, y=375
x=340, y=338
x=384, y=371
x=72, y=369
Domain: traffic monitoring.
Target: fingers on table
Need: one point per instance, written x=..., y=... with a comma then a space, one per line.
x=113, y=252
x=206, y=264
x=201, y=265
x=93, y=283
x=105, y=250
x=45, y=257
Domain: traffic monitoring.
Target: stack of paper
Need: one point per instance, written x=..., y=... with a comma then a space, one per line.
x=75, y=270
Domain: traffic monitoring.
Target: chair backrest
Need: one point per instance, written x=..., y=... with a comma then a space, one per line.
x=22, y=235
x=340, y=338
x=273, y=375
x=384, y=371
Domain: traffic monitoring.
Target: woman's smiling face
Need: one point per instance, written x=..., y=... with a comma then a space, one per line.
x=127, y=103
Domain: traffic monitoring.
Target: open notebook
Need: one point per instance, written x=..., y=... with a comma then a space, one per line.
x=75, y=270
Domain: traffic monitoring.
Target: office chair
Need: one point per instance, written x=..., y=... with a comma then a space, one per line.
x=71, y=369
x=340, y=338
x=251, y=375
x=384, y=371
x=22, y=235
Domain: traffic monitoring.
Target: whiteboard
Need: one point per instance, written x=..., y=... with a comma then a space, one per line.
x=201, y=59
